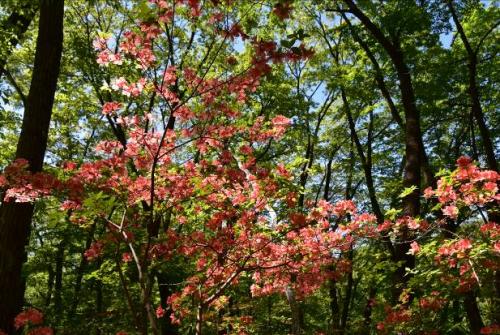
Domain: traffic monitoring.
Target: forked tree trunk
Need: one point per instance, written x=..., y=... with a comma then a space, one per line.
x=15, y=218
x=413, y=139
x=473, y=90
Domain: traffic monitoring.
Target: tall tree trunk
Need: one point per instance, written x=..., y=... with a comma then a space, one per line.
x=15, y=218
x=379, y=79
x=349, y=194
x=99, y=302
x=332, y=292
x=413, y=139
x=296, y=309
x=473, y=315
x=473, y=90
x=364, y=159
x=471, y=307
x=413, y=136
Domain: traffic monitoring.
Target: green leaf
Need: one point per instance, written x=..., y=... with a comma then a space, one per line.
x=392, y=213
x=407, y=191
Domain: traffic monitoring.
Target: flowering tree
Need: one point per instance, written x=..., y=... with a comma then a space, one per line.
x=228, y=172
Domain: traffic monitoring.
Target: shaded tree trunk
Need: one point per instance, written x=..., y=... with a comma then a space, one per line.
x=413, y=137
x=99, y=302
x=334, y=307
x=473, y=314
x=165, y=289
x=59, y=277
x=348, y=294
x=15, y=218
x=413, y=140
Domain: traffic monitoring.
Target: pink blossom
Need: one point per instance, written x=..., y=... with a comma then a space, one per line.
x=31, y=315
x=451, y=211
x=110, y=107
x=414, y=248
x=160, y=312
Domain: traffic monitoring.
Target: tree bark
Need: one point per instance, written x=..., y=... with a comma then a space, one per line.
x=367, y=312
x=473, y=315
x=15, y=218
x=334, y=307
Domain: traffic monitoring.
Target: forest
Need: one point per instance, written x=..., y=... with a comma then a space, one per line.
x=210, y=167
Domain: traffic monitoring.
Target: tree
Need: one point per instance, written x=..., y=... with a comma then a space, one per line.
x=229, y=157
x=15, y=218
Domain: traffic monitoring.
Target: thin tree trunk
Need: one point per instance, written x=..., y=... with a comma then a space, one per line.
x=334, y=307
x=140, y=326
x=99, y=302
x=297, y=312
x=365, y=162
x=473, y=91
x=199, y=320
x=58, y=277
x=347, y=299
x=15, y=218
x=80, y=271
x=349, y=194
